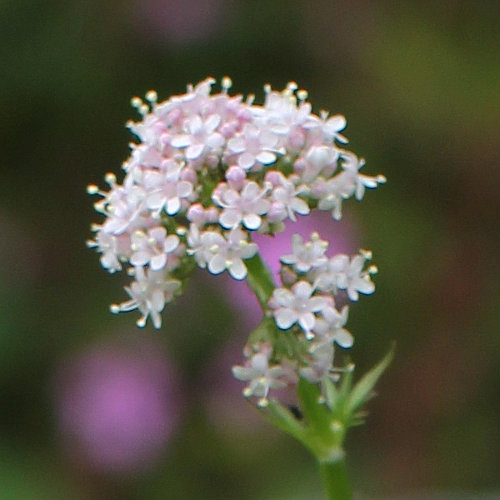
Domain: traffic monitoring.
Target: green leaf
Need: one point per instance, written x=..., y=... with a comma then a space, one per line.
x=282, y=418
x=363, y=390
x=317, y=413
x=332, y=394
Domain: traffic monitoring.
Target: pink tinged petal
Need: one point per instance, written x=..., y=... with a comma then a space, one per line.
x=266, y=157
x=158, y=233
x=110, y=262
x=171, y=243
x=156, y=320
x=339, y=262
x=237, y=269
x=140, y=258
x=335, y=124
x=280, y=129
x=302, y=290
x=181, y=141
x=285, y=318
x=215, y=141
x=236, y=145
x=158, y=262
x=229, y=218
x=341, y=138
x=284, y=297
x=248, y=251
x=365, y=286
x=212, y=122
x=250, y=191
x=155, y=201
x=342, y=282
x=252, y=221
x=193, y=152
x=288, y=259
x=184, y=189
x=357, y=264
x=343, y=338
x=246, y=160
x=158, y=300
x=173, y=206
x=300, y=206
x=242, y=373
x=217, y=264
x=317, y=303
x=230, y=197
x=267, y=138
x=117, y=226
x=195, y=125
x=261, y=207
x=306, y=321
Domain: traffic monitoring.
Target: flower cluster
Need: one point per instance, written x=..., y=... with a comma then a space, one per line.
x=210, y=169
x=207, y=173
x=305, y=307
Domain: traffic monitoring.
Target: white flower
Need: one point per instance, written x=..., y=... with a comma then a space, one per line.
x=200, y=137
x=320, y=362
x=297, y=306
x=254, y=147
x=331, y=327
x=217, y=253
x=204, y=245
x=166, y=189
x=113, y=248
x=244, y=207
x=354, y=181
x=286, y=118
x=285, y=202
x=262, y=376
x=152, y=247
x=330, y=194
x=332, y=126
x=149, y=293
x=318, y=158
x=306, y=256
x=344, y=273
x=125, y=209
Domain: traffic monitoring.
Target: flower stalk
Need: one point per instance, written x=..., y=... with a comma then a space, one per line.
x=208, y=171
x=327, y=411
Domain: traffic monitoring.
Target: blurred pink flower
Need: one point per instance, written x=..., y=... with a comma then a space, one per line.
x=117, y=405
x=182, y=22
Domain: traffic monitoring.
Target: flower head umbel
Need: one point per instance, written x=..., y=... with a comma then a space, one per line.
x=230, y=167
x=208, y=171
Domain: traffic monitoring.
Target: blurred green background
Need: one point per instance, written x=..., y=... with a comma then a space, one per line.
x=419, y=85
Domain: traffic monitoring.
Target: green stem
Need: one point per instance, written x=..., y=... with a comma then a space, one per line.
x=332, y=468
x=335, y=479
x=260, y=280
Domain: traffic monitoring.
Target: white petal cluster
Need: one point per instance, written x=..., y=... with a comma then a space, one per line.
x=263, y=376
x=297, y=306
x=209, y=169
x=218, y=252
x=306, y=306
x=149, y=293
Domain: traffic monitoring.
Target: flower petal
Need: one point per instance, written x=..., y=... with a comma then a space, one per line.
x=285, y=318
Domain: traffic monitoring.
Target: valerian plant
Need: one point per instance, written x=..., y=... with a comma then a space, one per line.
x=207, y=172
